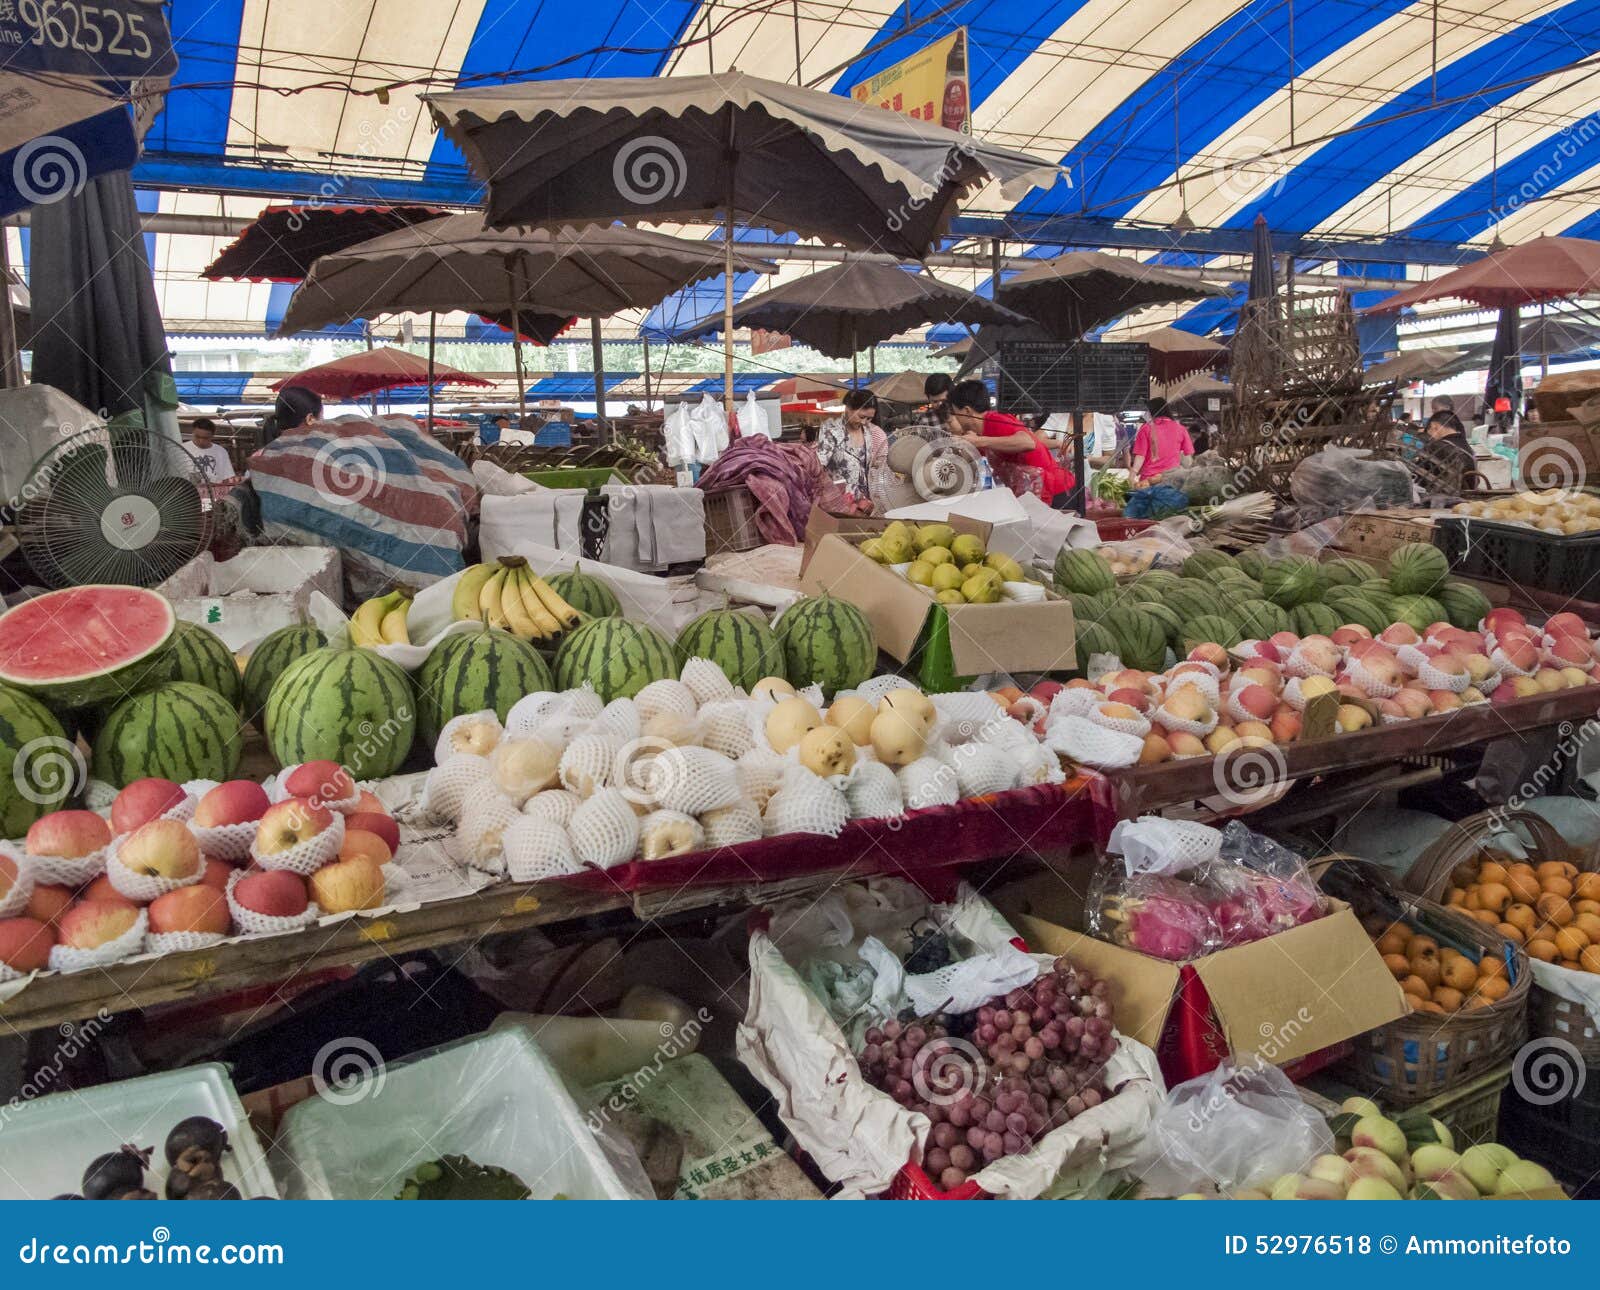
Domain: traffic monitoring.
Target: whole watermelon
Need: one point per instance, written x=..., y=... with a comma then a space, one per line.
x=1092, y=639
x=1347, y=571
x=1253, y=561
x=199, y=655
x=827, y=642
x=1203, y=564
x=1192, y=599
x=741, y=644
x=1167, y=618
x=345, y=705
x=1293, y=580
x=1464, y=604
x=1210, y=627
x=1078, y=570
x=1141, y=641
x=1260, y=619
x=586, y=593
x=1087, y=608
x=617, y=657
x=1418, y=612
x=1315, y=620
x=1416, y=568
x=1141, y=591
x=39, y=767
x=267, y=661
x=1353, y=606
x=177, y=731
x=473, y=671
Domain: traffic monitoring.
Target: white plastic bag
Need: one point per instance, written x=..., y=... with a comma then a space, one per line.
x=1237, y=1126
x=708, y=426
x=753, y=418
x=679, y=436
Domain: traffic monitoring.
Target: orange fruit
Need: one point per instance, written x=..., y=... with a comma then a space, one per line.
x=1491, y=871
x=1522, y=916
x=1544, y=951
x=1428, y=1005
x=1554, y=909
x=1586, y=886
x=1571, y=942
x=1486, y=916
x=1512, y=934
x=1459, y=974
x=1427, y=969
x=1587, y=906
x=1590, y=959
x=1556, y=869
x=1590, y=923
x=1556, y=886
x=1417, y=986
x=1448, y=999
x=1494, y=895
x=1457, y=897
x=1397, y=964
x=1493, y=988
x=1523, y=886
x=1391, y=943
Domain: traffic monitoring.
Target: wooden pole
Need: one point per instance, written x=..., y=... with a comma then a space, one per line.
x=433, y=340
x=727, y=301
x=598, y=350
x=646, y=340
x=516, y=350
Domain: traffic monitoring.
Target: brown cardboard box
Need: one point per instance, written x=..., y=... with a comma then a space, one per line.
x=983, y=638
x=1548, y=449
x=1372, y=535
x=1289, y=995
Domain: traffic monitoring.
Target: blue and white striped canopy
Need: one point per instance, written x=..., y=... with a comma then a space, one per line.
x=1402, y=124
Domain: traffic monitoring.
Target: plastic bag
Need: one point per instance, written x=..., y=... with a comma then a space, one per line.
x=1165, y=918
x=1156, y=548
x=1338, y=480
x=1263, y=887
x=753, y=418
x=678, y=434
x=1232, y=1128
x=708, y=425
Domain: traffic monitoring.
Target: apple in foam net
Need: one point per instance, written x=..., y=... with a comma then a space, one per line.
x=1444, y=700
x=1399, y=634
x=1567, y=624
x=1350, y=633
x=289, y=823
x=1284, y=640
x=190, y=909
x=381, y=823
x=1210, y=652
x=1520, y=654
x=216, y=873
x=1497, y=620
x=358, y=842
x=142, y=801
x=1184, y=744
x=238, y=801
x=351, y=882
x=1135, y=699
x=49, y=901
x=68, y=834
x=90, y=924
x=1413, y=702
x=1262, y=674
x=276, y=893
x=1570, y=649
x=25, y=944
x=161, y=849
x=320, y=782
x=101, y=889
x=1257, y=700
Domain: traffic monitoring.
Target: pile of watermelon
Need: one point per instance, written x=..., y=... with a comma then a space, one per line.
x=1225, y=598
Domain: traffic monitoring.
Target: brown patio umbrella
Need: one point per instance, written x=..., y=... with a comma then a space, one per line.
x=839, y=310
x=1547, y=268
x=1430, y=364
x=1175, y=353
x=684, y=148
x=901, y=387
x=455, y=262
x=1077, y=292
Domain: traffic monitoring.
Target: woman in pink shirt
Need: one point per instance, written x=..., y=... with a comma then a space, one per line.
x=1161, y=444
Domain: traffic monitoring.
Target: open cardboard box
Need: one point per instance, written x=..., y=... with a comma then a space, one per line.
x=1005, y=637
x=1292, y=994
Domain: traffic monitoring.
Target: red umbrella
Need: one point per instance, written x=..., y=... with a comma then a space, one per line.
x=369, y=371
x=1547, y=268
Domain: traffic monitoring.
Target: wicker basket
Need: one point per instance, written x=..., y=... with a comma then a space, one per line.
x=1463, y=840
x=1423, y=1055
x=731, y=521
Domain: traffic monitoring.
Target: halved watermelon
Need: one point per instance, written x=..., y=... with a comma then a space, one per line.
x=86, y=645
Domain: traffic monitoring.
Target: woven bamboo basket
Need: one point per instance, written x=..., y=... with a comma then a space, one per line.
x=1465, y=840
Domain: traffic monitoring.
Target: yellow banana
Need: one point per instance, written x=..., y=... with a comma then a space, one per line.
x=464, y=600
x=544, y=621
x=559, y=609
x=394, y=624
x=366, y=624
x=511, y=603
x=489, y=601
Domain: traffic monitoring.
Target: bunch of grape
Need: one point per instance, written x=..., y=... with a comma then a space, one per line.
x=1034, y=1061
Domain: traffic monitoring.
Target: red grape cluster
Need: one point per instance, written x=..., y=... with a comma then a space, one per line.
x=1033, y=1060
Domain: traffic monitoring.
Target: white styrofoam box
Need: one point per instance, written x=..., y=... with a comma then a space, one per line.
x=48, y=1142
x=258, y=591
x=494, y=1098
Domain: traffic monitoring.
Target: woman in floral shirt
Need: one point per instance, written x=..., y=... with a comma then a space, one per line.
x=854, y=450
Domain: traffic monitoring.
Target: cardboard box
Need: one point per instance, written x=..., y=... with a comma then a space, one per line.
x=1549, y=447
x=1005, y=637
x=1372, y=535
x=1292, y=994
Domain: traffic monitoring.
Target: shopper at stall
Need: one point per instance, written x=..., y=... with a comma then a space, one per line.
x=209, y=455
x=295, y=409
x=1447, y=459
x=1160, y=445
x=854, y=450
x=1008, y=444
x=1443, y=411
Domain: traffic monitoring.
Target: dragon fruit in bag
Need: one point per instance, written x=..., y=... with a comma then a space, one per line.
x=1165, y=918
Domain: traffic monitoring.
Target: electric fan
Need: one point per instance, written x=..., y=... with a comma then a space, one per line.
x=113, y=504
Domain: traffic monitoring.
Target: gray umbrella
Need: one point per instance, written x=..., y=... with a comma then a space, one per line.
x=1505, y=360
x=97, y=329
x=691, y=147
x=1077, y=292
x=1255, y=356
x=840, y=310
x=1263, y=278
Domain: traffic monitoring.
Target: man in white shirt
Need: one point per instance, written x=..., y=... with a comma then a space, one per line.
x=210, y=456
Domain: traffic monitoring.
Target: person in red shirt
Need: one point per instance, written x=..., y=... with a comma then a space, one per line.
x=1003, y=438
x=1161, y=444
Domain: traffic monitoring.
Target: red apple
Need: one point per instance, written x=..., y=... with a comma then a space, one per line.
x=1044, y=691
x=8, y=875
x=1567, y=625
x=320, y=781
x=1497, y=620
x=142, y=801
x=1135, y=699
x=190, y=909
x=92, y=923
x=383, y=825
x=25, y=944
x=216, y=873
x=351, y=882
x=1399, y=634
x=276, y=893
x=1571, y=649
x=49, y=902
x=1350, y=633
x=238, y=801
x=1210, y=652
x=101, y=889
x=161, y=849
x=358, y=842
x=289, y=823
x=1521, y=655
x=1444, y=700
x=68, y=834
x=1257, y=700
x=1284, y=640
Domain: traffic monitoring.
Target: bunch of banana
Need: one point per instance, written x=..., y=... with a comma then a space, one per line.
x=511, y=596
x=382, y=620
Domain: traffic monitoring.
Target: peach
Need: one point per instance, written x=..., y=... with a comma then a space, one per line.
x=142, y=801
x=321, y=781
x=161, y=849
x=237, y=801
x=69, y=834
x=200, y=908
x=381, y=823
x=1350, y=634
x=354, y=882
x=49, y=902
x=276, y=893
x=90, y=924
x=25, y=944
x=291, y=822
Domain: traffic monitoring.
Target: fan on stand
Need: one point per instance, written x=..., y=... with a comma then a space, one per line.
x=113, y=505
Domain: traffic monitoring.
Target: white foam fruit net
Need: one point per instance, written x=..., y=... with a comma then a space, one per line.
x=142, y=888
x=728, y=826
x=605, y=829
x=448, y=783
x=529, y=712
x=1036, y=764
x=806, y=804
x=875, y=687
x=619, y=719
x=1077, y=701
x=1434, y=679
x=725, y=727
x=181, y=942
x=587, y=763
x=691, y=780
x=536, y=849
x=229, y=842
x=1134, y=725
x=707, y=682
x=17, y=895
x=981, y=769
x=1091, y=745
x=304, y=858
x=254, y=924
x=485, y=816
x=554, y=804
x=665, y=696
x=927, y=782
x=471, y=732
x=66, y=958
x=1358, y=673
x=873, y=792
x=522, y=767
x=669, y=833
x=758, y=774
x=61, y=871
